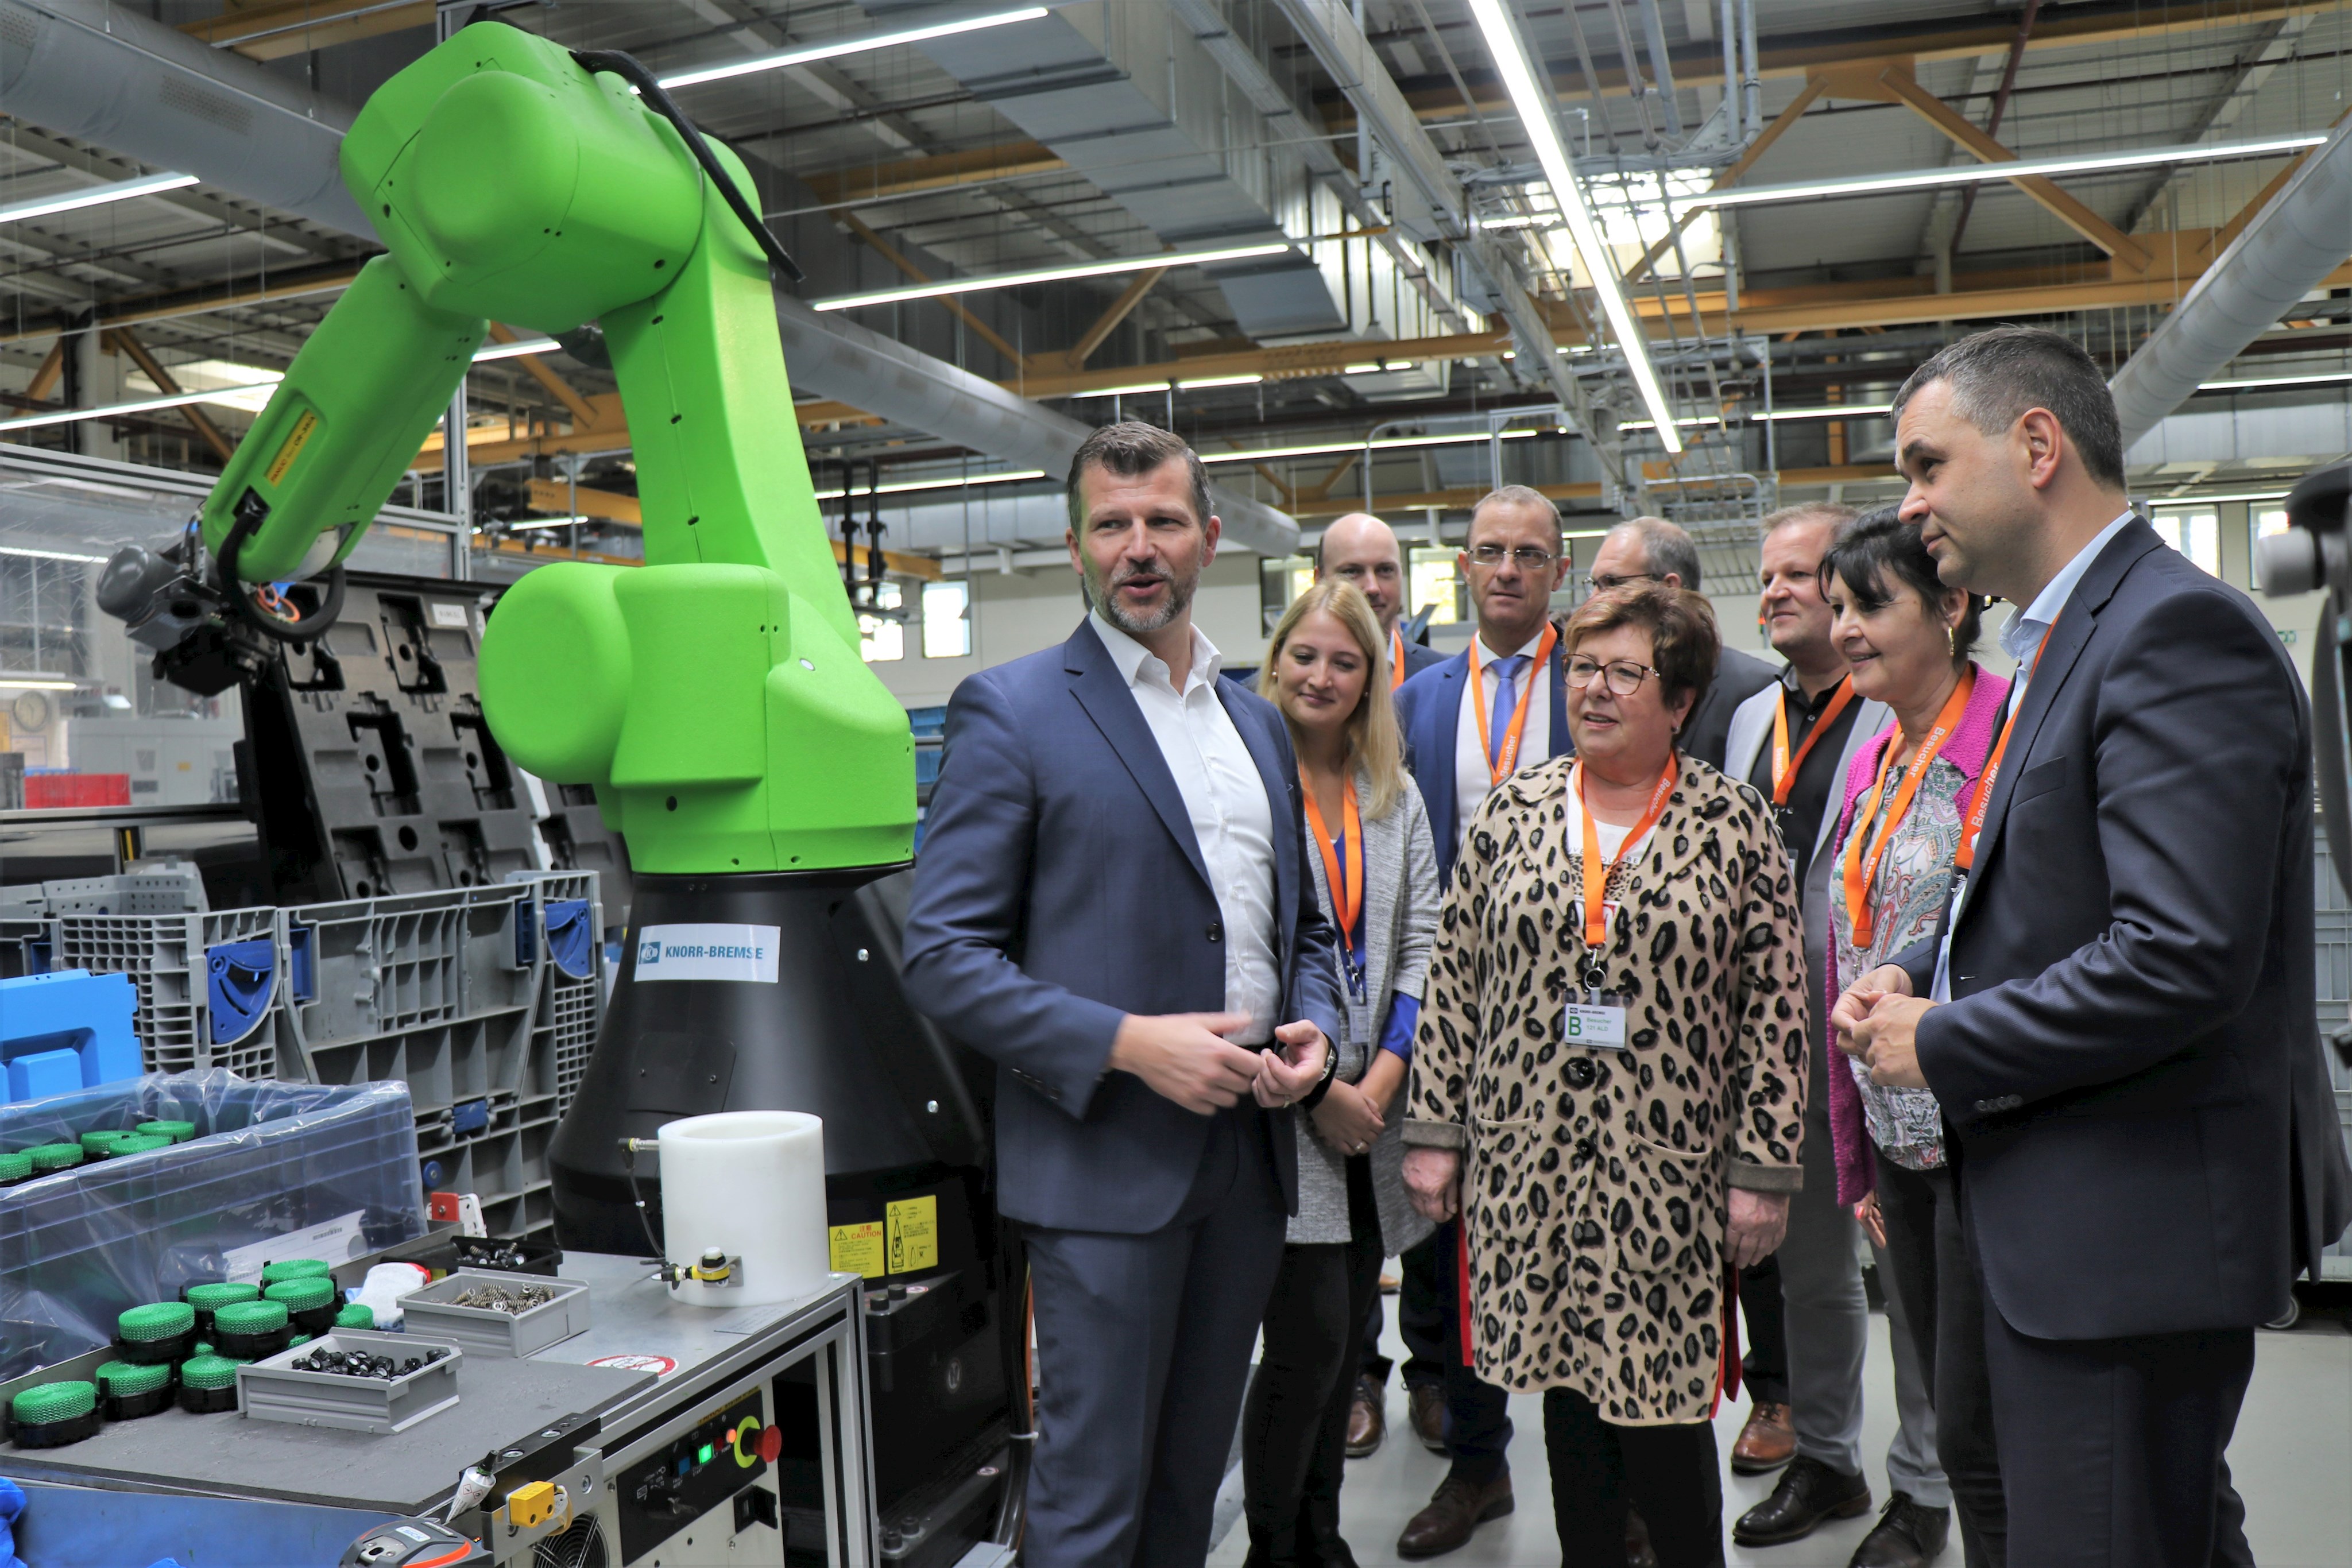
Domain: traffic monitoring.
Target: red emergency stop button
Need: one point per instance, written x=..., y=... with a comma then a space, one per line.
x=770, y=1446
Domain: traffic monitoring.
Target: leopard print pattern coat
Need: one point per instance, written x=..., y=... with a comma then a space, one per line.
x=1594, y=1179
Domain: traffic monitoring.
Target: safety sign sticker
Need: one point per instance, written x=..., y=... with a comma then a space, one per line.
x=708, y=953
x=659, y=1366
x=857, y=1249
x=914, y=1234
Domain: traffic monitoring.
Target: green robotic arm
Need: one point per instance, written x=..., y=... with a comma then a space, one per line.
x=716, y=697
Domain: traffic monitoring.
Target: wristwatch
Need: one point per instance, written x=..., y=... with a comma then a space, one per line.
x=1314, y=1097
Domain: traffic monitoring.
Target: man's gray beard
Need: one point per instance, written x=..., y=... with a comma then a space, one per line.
x=1179, y=599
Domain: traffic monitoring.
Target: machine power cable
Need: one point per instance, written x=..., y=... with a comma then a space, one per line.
x=250, y=514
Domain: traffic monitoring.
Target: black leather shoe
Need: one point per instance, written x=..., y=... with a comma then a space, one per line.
x=1907, y=1535
x=1810, y=1491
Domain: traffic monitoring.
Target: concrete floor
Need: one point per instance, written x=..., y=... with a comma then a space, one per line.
x=2292, y=1460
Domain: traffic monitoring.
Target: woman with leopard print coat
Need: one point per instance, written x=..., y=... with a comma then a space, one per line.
x=1617, y=1108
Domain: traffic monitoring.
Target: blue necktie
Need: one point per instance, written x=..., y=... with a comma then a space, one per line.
x=1506, y=698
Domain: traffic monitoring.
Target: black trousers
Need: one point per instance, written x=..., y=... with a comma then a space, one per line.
x=2111, y=1450
x=1600, y=1471
x=1943, y=1300
x=1295, y=1422
x=1421, y=1322
x=1764, y=1359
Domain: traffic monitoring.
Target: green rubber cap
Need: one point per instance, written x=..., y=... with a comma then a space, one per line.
x=55, y=1157
x=293, y=1268
x=307, y=1294
x=357, y=1315
x=208, y=1371
x=15, y=1166
x=212, y=1298
x=199, y=1349
x=297, y=1339
x=102, y=1142
x=139, y=1144
x=178, y=1132
x=249, y=1317
x=159, y=1320
x=46, y=1402
x=122, y=1379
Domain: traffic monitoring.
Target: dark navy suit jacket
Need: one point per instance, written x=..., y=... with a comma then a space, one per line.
x=2145, y=1140
x=1420, y=656
x=1060, y=888
x=1429, y=706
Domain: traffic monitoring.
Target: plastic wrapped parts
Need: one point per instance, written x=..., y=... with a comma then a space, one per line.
x=208, y=1386
x=177, y=1132
x=14, y=1166
x=102, y=1143
x=293, y=1268
x=50, y=1158
x=51, y=1415
x=310, y=1302
x=160, y=1332
x=139, y=1144
x=129, y=1390
x=357, y=1315
x=249, y=1330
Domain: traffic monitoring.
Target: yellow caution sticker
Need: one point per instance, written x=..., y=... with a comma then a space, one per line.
x=857, y=1249
x=914, y=1234
x=295, y=441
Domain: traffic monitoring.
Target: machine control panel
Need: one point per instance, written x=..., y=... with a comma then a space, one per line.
x=694, y=1473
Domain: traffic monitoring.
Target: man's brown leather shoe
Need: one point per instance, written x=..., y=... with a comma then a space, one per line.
x=1367, y=1419
x=1454, y=1514
x=1766, y=1443
x=1426, y=1403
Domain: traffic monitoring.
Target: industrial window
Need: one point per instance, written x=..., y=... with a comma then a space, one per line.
x=2197, y=535
x=1278, y=582
x=1434, y=581
x=946, y=623
x=882, y=636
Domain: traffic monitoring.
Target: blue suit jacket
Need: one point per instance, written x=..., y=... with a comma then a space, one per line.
x=1060, y=888
x=1429, y=707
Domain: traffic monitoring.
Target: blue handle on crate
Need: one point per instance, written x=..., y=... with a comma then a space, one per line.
x=304, y=982
x=240, y=978
x=472, y=1117
x=571, y=939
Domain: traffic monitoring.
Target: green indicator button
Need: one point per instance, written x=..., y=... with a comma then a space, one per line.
x=702, y=1455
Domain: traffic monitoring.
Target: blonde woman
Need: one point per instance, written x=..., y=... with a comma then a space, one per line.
x=1376, y=875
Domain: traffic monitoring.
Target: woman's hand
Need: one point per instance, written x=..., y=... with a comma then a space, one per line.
x=1347, y=1121
x=1886, y=980
x=1432, y=1179
x=1873, y=1222
x=1759, y=1221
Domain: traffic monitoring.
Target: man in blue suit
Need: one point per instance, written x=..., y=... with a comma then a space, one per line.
x=1514, y=560
x=1114, y=902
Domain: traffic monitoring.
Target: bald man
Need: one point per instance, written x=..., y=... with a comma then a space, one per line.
x=1652, y=549
x=1363, y=550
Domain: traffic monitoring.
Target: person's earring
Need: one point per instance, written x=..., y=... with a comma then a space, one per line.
x=1952, y=638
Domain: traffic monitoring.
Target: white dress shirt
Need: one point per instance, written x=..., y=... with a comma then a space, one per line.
x=1225, y=796
x=1472, y=778
x=2021, y=641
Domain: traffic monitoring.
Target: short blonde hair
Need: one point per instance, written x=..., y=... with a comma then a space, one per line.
x=1374, y=741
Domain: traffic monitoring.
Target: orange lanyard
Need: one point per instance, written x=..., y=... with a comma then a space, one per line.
x=1596, y=869
x=1860, y=870
x=1968, y=855
x=1346, y=883
x=1784, y=767
x=1396, y=658
x=1500, y=769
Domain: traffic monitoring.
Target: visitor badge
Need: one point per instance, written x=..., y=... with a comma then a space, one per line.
x=1597, y=1022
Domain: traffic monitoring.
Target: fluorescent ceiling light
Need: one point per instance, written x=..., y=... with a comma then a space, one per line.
x=1200, y=384
x=2252, y=382
x=32, y=554
x=94, y=196
x=547, y=523
x=37, y=684
x=1532, y=101
x=520, y=346
x=1973, y=173
x=1010, y=476
x=1332, y=448
x=1049, y=275
x=841, y=47
x=2195, y=500
x=1136, y=390
x=142, y=405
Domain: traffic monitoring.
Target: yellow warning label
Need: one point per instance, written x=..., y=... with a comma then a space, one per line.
x=295, y=440
x=914, y=1235
x=857, y=1249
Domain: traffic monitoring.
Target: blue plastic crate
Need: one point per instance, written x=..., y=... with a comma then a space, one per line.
x=65, y=1032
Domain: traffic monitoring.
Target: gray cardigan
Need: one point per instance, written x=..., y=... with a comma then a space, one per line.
x=1400, y=899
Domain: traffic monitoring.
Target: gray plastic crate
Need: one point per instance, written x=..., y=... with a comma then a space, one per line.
x=272, y=1390
x=432, y=1311
x=164, y=957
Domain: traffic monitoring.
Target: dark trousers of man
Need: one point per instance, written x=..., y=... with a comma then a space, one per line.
x=1600, y=1471
x=1294, y=1423
x=1478, y=1413
x=1943, y=1302
x=2111, y=1451
x=1421, y=1322
x=1143, y=1345
x=1764, y=1359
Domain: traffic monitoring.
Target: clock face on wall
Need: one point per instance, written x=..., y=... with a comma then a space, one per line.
x=30, y=710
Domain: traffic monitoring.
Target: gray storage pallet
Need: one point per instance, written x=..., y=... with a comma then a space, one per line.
x=272, y=1390
x=434, y=1312
x=164, y=957
x=2335, y=1263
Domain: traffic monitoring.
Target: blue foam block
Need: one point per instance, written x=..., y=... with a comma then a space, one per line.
x=66, y=1031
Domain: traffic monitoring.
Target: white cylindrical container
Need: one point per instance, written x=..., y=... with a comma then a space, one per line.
x=749, y=1184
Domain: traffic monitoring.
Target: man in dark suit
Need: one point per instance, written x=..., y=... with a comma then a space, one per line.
x=1114, y=902
x=1652, y=549
x=2118, y=1019
x=1363, y=550
x=1458, y=749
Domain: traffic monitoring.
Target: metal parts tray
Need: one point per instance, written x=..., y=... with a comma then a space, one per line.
x=485, y=1331
x=272, y=1390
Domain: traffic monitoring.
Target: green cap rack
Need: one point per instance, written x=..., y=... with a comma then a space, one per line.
x=212, y=1297
x=122, y=1379
x=49, y=1157
x=249, y=1317
x=178, y=1132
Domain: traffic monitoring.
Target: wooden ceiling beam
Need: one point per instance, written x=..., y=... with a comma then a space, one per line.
x=1812, y=89
x=121, y=340
x=581, y=411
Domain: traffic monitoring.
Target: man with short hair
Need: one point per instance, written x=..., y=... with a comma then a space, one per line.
x=1363, y=550
x=1652, y=549
x=1460, y=746
x=2116, y=1017
x=1808, y=1319
x=1114, y=902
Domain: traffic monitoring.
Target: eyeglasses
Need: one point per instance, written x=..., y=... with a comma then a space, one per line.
x=1603, y=584
x=1529, y=557
x=1625, y=676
